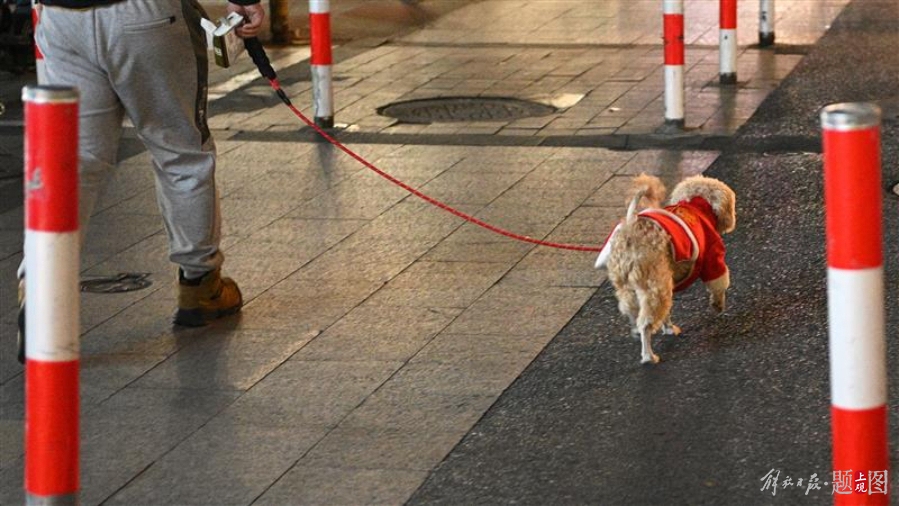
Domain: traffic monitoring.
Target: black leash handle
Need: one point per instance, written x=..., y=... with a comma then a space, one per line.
x=257, y=54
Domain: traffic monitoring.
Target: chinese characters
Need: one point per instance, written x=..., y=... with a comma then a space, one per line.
x=844, y=482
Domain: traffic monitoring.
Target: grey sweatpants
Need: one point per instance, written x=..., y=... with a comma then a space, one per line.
x=145, y=59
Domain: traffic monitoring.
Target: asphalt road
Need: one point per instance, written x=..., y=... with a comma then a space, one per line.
x=735, y=395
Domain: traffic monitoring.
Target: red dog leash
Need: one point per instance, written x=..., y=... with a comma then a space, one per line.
x=257, y=53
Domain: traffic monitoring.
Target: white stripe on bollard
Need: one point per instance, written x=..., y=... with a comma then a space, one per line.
x=766, y=23
x=323, y=94
x=728, y=56
x=52, y=319
x=674, y=95
x=855, y=308
x=673, y=7
x=319, y=7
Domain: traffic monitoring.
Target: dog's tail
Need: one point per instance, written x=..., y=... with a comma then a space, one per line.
x=649, y=189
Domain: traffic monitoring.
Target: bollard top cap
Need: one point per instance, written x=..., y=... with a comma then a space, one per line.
x=50, y=94
x=850, y=116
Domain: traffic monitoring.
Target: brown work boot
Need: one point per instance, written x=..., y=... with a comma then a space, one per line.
x=202, y=300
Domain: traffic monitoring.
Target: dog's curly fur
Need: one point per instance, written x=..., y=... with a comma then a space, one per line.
x=641, y=266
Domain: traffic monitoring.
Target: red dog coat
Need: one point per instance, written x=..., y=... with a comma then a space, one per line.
x=691, y=225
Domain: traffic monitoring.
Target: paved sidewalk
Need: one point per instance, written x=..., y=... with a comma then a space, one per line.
x=608, y=53
x=378, y=329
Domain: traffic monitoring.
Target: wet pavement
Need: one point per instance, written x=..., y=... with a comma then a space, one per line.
x=379, y=330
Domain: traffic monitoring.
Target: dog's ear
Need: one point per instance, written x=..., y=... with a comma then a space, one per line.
x=726, y=209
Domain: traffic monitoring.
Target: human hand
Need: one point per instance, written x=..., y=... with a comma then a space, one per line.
x=253, y=15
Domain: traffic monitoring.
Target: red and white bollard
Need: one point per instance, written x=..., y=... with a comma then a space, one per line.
x=38, y=56
x=727, y=42
x=51, y=288
x=858, y=372
x=766, y=23
x=673, y=20
x=321, y=60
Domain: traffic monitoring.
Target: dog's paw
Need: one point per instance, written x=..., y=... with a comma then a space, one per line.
x=717, y=303
x=650, y=359
x=671, y=330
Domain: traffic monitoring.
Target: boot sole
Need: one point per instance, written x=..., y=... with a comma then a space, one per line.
x=201, y=318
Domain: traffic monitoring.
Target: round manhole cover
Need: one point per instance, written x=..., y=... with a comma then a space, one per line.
x=458, y=109
x=118, y=283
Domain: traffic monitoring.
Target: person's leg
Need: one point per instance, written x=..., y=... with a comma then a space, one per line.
x=159, y=72
x=64, y=37
x=156, y=56
x=70, y=59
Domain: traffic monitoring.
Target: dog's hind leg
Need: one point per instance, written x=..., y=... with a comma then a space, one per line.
x=646, y=343
x=655, y=308
x=628, y=306
x=647, y=323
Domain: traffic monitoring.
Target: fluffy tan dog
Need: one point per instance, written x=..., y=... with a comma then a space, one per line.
x=658, y=251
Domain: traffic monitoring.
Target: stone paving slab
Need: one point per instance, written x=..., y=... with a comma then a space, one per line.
x=461, y=348
x=305, y=304
x=8, y=268
x=310, y=393
x=379, y=334
x=247, y=459
x=439, y=284
x=322, y=485
x=238, y=360
x=558, y=268
x=401, y=408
